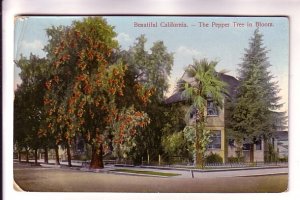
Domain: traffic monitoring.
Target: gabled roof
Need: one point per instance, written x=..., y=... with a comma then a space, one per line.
x=177, y=97
x=232, y=84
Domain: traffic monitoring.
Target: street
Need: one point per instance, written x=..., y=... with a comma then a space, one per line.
x=42, y=179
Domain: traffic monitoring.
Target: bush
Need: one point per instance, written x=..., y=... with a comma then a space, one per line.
x=285, y=159
x=235, y=159
x=214, y=158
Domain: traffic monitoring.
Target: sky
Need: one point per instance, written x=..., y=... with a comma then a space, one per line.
x=221, y=39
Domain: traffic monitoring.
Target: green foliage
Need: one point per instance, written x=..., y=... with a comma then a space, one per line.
x=174, y=142
x=152, y=68
x=82, y=88
x=235, y=159
x=271, y=155
x=84, y=52
x=124, y=129
x=284, y=159
x=199, y=137
x=213, y=158
x=257, y=96
x=176, y=145
x=149, y=70
x=199, y=84
x=174, y=120
x=28, y=103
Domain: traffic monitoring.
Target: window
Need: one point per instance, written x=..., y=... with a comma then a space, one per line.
x=191, y=115
x=258, y=145
x=246, y=146
x=231, y=142
x=212, y=109
x=215, y=140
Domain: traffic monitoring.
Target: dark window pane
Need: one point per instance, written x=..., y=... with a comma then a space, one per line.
x=212, y=109
x=191, y=115
x=258, y=145
x=246, y=146
x=215, y=140
x=231, y=142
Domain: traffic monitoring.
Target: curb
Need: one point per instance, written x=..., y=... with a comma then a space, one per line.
x=107, y=170
x=211, y=170
x=269, y=174
x=135, y=174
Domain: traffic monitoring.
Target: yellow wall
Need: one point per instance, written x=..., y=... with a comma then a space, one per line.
x=223, y=151
x=217, y=123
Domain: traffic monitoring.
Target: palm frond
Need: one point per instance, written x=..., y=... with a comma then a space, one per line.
x=202, y=83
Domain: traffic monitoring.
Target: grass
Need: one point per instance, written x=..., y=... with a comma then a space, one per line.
x=145, y=172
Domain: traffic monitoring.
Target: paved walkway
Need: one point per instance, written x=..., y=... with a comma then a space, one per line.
x=184, y=173
x=211, y=173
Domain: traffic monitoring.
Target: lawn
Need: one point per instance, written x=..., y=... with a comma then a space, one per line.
x=145, y=172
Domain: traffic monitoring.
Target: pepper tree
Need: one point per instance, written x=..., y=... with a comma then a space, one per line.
x=84, y=85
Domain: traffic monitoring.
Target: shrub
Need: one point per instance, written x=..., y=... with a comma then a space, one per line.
x=285, y=159
x=214, y=158
x=235, y=159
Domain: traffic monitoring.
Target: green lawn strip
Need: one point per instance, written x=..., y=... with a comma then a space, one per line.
x=145, y=172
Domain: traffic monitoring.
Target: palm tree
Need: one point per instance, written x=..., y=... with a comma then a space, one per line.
x=200, y=83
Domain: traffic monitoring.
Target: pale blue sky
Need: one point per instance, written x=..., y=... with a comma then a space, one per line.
x=225, y=45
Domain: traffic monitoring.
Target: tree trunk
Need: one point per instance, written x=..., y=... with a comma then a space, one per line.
x=69, y=155
x=252, y=153
x=200, y=160
x=56, y=155
x=20, y=154
x=35, y=156
x=239, y=152
x=27, y=155
x=46, y=155
x=199, y=156
x=97, y=159
x=266, y=150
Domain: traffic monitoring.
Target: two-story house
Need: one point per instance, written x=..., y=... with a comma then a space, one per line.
x=215, y=117
x=217, y=121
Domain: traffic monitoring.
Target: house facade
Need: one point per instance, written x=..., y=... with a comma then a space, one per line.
x=244, y=149
x=215, y=117
x=280, y=143
x=221, y=143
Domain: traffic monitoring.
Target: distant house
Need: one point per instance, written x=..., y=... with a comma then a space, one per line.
x=259, y=150
x=280, y=143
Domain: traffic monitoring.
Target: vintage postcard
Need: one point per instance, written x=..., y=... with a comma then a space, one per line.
x=169, y=104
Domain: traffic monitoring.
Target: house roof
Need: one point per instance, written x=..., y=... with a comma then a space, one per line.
x=281, y=135
x=177, y=97
x=232, y=84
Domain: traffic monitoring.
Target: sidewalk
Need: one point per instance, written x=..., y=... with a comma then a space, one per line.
x=198, y=173
x=184, y=172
